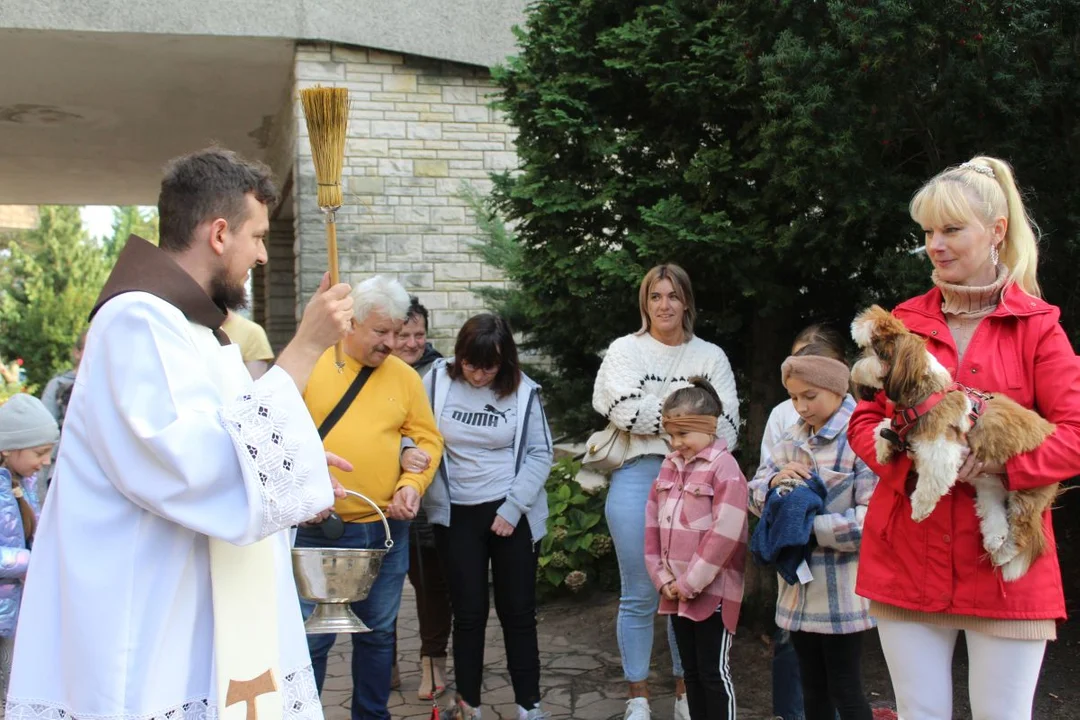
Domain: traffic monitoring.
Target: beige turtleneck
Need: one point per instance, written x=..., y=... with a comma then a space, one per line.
x=964, y=308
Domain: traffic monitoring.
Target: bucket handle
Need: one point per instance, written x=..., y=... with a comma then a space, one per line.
x=386, y=525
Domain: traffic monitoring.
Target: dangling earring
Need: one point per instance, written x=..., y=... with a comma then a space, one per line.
x=994, y=255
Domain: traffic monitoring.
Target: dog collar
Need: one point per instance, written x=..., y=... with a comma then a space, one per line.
x=904, y=418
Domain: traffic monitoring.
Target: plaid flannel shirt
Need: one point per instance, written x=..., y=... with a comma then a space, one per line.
x=828, y=603
x=696, y=533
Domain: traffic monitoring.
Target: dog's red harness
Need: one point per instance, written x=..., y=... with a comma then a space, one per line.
x=904, y=418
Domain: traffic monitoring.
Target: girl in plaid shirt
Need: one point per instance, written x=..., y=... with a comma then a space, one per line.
x=695, y=546
x=826, y=618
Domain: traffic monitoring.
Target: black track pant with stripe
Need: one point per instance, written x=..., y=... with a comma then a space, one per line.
x=704, y=647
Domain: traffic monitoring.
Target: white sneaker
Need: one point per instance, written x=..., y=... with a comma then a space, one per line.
x=638, y=709
x=535, y=714
x=682, y=708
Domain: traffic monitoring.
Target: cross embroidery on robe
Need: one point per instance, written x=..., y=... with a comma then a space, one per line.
x=246, y=691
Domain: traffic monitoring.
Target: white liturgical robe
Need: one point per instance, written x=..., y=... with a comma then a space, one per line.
x=158, y=456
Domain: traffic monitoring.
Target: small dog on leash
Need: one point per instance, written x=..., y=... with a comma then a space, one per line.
x=935, y=419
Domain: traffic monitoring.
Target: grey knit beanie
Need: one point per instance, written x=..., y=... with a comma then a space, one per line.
x=26, y=423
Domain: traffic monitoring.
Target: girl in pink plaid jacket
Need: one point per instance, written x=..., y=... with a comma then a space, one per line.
x=695, y=546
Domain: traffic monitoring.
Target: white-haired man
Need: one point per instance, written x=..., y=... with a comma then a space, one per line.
x=362, y=414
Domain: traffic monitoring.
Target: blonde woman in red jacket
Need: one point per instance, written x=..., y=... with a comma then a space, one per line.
x=986, y=323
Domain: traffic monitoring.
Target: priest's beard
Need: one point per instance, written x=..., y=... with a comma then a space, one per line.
x=227, y=294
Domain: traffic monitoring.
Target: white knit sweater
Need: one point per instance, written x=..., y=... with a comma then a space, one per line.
x=627, y=389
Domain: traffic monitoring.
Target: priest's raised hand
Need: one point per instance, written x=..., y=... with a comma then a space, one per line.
x=327, y=318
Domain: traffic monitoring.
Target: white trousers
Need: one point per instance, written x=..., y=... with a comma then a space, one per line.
x=1002, y=673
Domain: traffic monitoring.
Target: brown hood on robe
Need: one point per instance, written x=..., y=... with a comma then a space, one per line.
x=143, y=267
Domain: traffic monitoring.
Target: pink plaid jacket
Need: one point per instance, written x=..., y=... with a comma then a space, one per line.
x=696, y=533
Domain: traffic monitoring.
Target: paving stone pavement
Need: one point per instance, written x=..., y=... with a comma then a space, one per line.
x=576, y=681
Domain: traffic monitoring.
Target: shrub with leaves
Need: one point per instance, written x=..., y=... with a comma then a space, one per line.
x=50, y=278
x=771, y=148
x=10, y=390
x=577, y=553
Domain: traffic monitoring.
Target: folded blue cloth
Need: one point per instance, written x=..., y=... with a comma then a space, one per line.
x=784, y=535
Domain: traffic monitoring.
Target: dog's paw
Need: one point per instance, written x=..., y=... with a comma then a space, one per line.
x=1004, y=555
x=1016, y=568
x=883, y=446
x=993, y=542
x=921, y=506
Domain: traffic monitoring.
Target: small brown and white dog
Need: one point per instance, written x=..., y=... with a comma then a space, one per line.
x=935, y=419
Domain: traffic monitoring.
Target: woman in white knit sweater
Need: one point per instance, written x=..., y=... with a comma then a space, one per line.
x=639, y=371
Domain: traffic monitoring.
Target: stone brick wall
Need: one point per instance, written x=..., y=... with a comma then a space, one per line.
x=418, y=129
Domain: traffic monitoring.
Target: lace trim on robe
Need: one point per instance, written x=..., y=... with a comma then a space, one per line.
x=299, y=695
x=258, y=431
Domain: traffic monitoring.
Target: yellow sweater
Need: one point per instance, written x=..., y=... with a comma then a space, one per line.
x=391, y=405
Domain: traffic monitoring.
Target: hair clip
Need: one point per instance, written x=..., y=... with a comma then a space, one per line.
x=981, y=169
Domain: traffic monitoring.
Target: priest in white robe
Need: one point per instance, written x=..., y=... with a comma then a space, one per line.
x=160, y=583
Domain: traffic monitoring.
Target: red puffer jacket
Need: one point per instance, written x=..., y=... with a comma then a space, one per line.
x=939, y=565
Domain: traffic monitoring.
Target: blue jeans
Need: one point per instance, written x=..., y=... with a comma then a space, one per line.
x=639, y=599
x=373, y=652
x=787, y=699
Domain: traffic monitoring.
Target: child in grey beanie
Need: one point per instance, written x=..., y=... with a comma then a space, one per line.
x=25, y=422
x=28, y=432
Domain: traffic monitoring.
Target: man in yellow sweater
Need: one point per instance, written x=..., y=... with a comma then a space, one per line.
x=366, y=427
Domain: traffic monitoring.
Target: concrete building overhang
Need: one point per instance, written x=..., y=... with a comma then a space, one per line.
x=476, y=32
x=90, y=118
x=96, y=95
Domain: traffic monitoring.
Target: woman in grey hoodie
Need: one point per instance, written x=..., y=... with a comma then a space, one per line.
x=488, y=505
